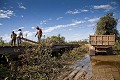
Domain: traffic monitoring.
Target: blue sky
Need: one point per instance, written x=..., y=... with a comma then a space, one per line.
x=73, y=19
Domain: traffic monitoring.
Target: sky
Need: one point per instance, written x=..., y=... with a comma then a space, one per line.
x=73, y=19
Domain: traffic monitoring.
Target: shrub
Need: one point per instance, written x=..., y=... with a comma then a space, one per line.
x=36, y=63
x=75, y=54
x=116, y=47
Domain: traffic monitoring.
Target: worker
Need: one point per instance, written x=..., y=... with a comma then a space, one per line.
x=13, y=37
x=38, y=33
x=19, y=36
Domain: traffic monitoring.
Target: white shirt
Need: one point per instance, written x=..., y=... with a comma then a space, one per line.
x=19, y=34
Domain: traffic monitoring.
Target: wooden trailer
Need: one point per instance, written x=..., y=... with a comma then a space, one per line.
x=101, y=44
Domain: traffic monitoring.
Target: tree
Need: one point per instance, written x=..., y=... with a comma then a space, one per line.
x=1, y=41
x=107, y=25
x=55, y=40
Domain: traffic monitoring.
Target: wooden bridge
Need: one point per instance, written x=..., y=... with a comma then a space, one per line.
x=14, y=51
x=57, y=47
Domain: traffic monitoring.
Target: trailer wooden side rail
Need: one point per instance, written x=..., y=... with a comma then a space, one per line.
x=101, y=44
x=102, y=40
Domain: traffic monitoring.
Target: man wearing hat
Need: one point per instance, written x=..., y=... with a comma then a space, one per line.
x=19, y=36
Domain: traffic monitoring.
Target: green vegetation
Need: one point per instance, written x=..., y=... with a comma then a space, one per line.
x=83, y=42
x=37, y=63
x=1, y=42
x=107, y=25
x=116, y=47
x=75, y=54
x=55, y=40
x=4, y=72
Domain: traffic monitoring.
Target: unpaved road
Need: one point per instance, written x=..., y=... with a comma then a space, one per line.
x=106, y=67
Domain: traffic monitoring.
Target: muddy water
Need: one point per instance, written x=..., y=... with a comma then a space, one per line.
x=82, y=70
x=81, y=62
x=105, y=67
x=96, y=68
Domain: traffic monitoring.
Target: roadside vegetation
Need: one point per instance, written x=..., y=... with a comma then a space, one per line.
x=37, y=63
x=1, y=42
x=116, y=48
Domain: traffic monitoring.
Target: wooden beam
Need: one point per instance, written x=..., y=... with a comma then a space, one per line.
x=29, y=40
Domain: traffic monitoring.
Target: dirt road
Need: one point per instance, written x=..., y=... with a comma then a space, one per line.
x=106, y=67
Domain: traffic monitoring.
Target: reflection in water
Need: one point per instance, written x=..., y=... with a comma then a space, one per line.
x=81, y=62
x=82, y=67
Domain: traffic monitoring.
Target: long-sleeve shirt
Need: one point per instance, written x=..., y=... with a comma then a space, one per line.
x=20, y=34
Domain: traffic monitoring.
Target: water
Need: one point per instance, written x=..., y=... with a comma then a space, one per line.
x=81, y=62
x=106, y=67
x=82, y=68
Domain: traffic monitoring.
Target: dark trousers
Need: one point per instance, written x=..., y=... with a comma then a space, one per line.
x=13, y=41
x=39, y=38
